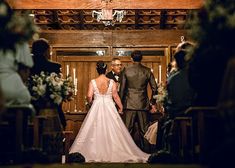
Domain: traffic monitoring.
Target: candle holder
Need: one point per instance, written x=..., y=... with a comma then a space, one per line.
x=68, y=110
x=75, y=106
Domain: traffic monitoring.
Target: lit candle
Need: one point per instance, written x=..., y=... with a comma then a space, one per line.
x=74, y=75
x=76, y=85
x=156, y=80
x=160, y=73
x=67, y=70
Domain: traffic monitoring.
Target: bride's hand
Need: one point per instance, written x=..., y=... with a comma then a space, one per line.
x=120, y=110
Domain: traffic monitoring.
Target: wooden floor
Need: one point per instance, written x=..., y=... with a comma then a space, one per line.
x=107, y=165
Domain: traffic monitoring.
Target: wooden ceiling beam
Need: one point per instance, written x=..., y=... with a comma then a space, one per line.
x=97, y=4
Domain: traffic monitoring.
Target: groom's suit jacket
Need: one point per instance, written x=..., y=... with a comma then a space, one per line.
x=134, y=82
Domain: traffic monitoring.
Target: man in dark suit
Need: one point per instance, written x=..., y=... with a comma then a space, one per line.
x=41, y=58
x=134, y=80
x=116, y=67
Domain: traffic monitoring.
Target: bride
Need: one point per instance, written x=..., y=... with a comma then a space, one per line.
x=103, y=137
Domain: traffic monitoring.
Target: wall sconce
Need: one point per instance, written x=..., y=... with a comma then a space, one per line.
x=100, y=53
x=120, y=53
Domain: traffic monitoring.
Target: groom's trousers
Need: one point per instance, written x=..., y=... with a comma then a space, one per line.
x=142, y=119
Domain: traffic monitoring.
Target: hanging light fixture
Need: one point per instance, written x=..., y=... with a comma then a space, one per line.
x=107, y=16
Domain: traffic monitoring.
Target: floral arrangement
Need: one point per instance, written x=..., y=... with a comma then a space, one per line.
x=161, y=97
x=51, y=88
x=162, y=93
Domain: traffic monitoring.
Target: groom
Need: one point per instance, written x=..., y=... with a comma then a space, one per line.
x=134, y=80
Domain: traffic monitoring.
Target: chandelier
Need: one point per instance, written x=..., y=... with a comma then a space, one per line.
x=107, y=16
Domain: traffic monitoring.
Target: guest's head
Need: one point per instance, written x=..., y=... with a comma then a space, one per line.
x=14, y=28
x=180, y=59
x=5, y=14
x=101, y=67
x=136, y=56
x=41, y=48
x=116, y=65
x=186, y=45
x=172, y=67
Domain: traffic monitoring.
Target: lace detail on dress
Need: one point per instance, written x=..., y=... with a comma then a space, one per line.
x=97, y=91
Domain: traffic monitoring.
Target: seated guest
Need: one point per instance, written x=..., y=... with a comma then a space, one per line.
x=186, y=45
x=180, y=94
x=14, y=53
x=41, y=58
x=52, y=132
x=171, y=68
x=179, y=98
x=15, y=61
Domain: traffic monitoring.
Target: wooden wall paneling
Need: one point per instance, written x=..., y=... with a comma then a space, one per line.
x=76, y=38
x=74, y=122
x=172, y=51
x=164, y=66
x=168, y=55
x=53, y=54
x=85, y=68
x=122, y=38
x=141, y=38
x=155, y=69
x=65, y=105
x=86, y=81
x=96, y=4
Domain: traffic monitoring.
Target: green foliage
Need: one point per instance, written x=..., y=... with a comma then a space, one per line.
x=213, y=27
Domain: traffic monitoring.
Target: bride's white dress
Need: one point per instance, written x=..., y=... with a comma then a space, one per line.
x=103, y=137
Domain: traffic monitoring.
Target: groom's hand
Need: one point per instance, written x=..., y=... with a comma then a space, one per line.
x=153, y=109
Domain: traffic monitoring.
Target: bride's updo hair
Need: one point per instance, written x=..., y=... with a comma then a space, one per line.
x=101, y=67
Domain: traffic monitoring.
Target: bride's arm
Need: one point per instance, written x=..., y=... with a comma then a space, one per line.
x=117, y=98
x=90, y=93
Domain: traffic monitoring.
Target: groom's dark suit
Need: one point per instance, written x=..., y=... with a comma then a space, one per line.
x=134, y=81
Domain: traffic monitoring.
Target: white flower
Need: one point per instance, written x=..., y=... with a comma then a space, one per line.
x=162, y=93
x=41, y=89
x=58, y=99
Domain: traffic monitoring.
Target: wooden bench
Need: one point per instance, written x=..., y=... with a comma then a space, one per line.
x=14, y=129
x=206, y=128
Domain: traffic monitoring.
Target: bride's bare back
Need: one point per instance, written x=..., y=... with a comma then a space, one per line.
x=102, y=83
